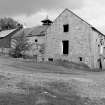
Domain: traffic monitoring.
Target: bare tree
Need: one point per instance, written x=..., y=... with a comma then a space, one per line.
x=21, y=45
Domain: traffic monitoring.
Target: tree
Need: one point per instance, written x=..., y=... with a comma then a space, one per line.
x=42, y=48
x=9, y=23
x=21, y=45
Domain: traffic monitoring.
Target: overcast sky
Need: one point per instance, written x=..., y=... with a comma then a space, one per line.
x=31, y=12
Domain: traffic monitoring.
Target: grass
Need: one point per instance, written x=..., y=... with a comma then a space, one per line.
x=59, y=67
x=46, y=93
x=36, y=96
x=56, y=93
x=34, y=99
x=50, y=92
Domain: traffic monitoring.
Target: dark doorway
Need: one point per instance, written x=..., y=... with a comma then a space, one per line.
x=65, y=47
x=100, y=63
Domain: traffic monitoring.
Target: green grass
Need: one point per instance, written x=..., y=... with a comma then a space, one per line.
x=59, y=67
x=47, y=93
x=36, y=99
x=58, y=93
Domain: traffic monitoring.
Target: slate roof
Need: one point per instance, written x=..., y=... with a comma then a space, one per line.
x=38, y=31
x=34, y=31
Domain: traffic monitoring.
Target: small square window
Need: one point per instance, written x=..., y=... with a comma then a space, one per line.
x=80, y=58
x=36, y=40
x=66, y=28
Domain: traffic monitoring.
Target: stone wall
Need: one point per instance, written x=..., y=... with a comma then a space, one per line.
x=34, y=46
x=99, y=49
x=79, y=37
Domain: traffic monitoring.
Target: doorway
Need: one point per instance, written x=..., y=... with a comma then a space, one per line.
x=99, y=63
x=65, y=47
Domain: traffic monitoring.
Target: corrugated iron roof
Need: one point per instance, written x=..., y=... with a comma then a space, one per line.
x=6, y=32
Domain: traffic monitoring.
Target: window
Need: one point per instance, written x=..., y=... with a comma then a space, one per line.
x=50, y=59
x=36, y=40
x=65, y=47
x=66, y=28
x=80, y=58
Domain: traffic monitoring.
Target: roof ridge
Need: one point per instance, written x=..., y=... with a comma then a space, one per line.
x=66, y=9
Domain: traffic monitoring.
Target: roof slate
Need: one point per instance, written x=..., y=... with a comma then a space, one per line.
x=30, y=32
x=38, y=31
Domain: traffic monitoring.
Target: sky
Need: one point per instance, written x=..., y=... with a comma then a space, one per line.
x=31, y=12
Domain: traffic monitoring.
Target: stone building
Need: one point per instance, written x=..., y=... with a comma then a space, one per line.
x=73, y=39
x=36, y=37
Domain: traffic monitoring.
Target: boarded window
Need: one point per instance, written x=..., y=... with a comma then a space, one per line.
x=66, y=28
x=65, y=47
